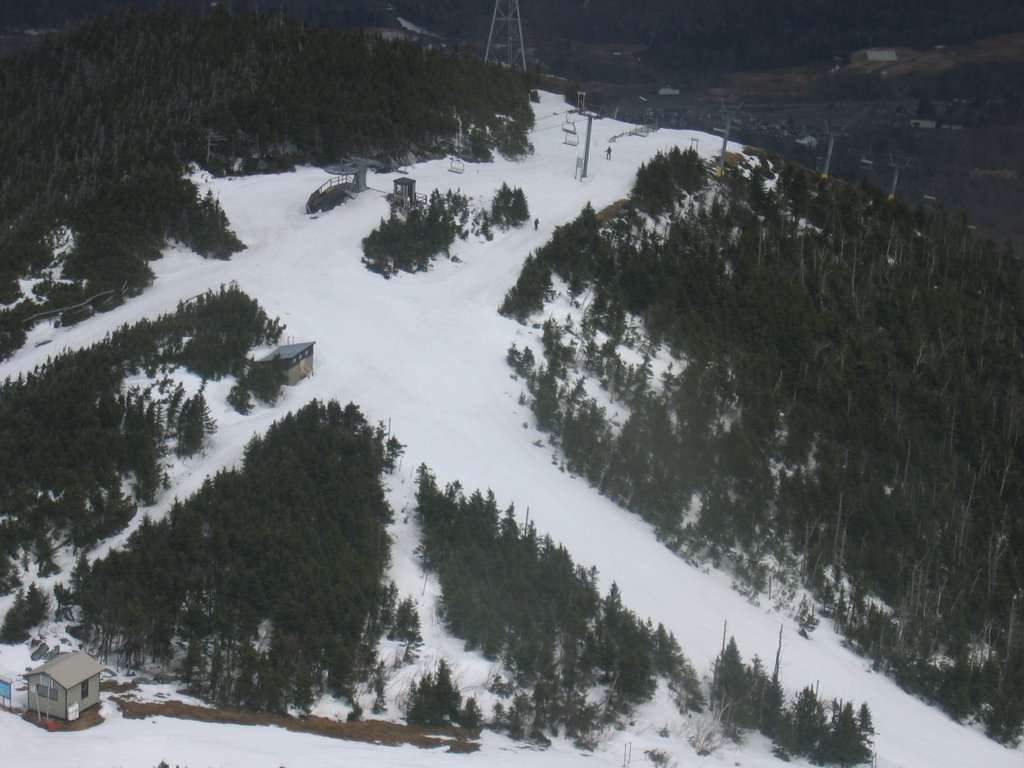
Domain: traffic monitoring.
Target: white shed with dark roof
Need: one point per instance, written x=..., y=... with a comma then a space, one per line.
x=65, y=686
x=295, y=359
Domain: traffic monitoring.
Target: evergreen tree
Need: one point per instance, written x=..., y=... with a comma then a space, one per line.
x=193, y=666
x=44, y=556
x=29, y=609
x=435, y=700
x=449, y=700
x=194, y=424
x=865, y=726
x=844, y=744
x=9, y=579
x=37, y=605
x=470, y=716
x=406, y=627
x=15, y=627
x=808, y=725
x=509, y=208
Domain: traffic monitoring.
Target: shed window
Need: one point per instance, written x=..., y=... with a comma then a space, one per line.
x=44, y=692
x=85, y=689
x=46, y=689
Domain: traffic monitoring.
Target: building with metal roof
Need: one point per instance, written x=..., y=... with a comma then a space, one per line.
x=295, y=359
x=65, y=686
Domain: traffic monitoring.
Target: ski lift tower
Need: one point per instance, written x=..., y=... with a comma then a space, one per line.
x=897, y=165
x=832, y=134
x=727, y=114
x=582, y=164
x=507, y=33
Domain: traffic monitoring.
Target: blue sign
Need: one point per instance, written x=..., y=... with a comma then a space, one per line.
x=5, y=688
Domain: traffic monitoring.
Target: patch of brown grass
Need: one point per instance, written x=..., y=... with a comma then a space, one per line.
x=932, y=60
x=800, y=82
x=790, y=83
x=609, y=212
x=88, y=719
x=460, y=740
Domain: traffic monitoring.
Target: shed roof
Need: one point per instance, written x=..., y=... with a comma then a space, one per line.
x=881, y=54
x=288, y=351
x=69, y=669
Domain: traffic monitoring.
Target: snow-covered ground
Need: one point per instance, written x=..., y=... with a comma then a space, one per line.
x=426, y=354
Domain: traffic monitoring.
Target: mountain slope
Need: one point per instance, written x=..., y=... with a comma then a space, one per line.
x=426, y=353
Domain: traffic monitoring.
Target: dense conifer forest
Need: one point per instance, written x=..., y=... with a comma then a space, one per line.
x=81, y=447
x=519, y=597
x=104, y=122
x=844, y=413
x=269, y=581
x=693, y=35
x=747, y=697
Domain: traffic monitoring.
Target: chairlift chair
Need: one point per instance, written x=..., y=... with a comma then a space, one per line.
x=568, y=128
x=867, y=162
x=456, y=165
x=570, y=136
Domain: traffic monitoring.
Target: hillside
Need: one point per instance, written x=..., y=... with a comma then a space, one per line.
x=834, y=353
x=425, y=354
x=112, y=115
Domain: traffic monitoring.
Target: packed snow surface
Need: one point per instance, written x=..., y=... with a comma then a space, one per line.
x=425, y=354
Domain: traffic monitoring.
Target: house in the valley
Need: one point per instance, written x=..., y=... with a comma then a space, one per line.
x=296, y=360
x=65, y=686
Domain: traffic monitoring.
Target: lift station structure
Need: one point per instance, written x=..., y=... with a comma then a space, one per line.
x=348, y=179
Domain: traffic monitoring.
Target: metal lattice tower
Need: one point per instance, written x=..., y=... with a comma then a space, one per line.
x=897, y=165
x=507, y=33
x=833, y=134
x=727, y=114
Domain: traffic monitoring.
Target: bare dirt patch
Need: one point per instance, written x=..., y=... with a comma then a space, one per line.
x=459, y=740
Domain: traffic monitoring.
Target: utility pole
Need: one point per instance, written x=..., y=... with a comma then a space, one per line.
x=506, y=32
